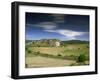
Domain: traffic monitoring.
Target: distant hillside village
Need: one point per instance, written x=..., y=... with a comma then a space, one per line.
x=53, y=42
x=45, y=42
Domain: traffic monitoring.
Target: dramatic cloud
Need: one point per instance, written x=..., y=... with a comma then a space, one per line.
x=68, y=33
x=58, y=18
x=45, y=25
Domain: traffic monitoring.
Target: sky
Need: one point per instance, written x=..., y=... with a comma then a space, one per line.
x=56, y=26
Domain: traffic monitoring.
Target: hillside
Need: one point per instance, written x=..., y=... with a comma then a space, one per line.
x=75, y=42
x=51, y=42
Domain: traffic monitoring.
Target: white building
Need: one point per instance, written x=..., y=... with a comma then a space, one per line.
x=57, y=44
x=54, y=43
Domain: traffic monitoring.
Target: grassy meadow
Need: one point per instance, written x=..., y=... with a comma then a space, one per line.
x=71, y=54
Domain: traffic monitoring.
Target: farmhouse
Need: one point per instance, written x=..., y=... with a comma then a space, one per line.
x=54, y=43
x=47, y=42
x=57, y=44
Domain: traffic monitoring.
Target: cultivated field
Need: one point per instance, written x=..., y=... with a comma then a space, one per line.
x=56, y=56
x=39, y=61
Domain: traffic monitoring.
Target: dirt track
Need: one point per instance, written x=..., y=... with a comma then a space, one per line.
x=39, y=61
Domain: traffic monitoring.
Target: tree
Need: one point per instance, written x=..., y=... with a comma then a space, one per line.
x=29, y=51
x=82, y=58
x=59, y=55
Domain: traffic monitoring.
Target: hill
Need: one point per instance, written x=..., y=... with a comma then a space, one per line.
x=75, y=42
x=51, y=42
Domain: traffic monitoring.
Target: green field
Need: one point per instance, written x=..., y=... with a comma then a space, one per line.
x=56, y=56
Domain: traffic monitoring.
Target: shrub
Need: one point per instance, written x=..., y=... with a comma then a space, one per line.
x=72, y=64
x=87, y=46
x=26, y=48
x=82, y=58
x=26, y=65
x=59, y=54
x=29, y=51
x=38, y=52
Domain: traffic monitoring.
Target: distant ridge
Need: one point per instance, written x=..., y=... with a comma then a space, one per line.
x=64, y=42
x=75, y=42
